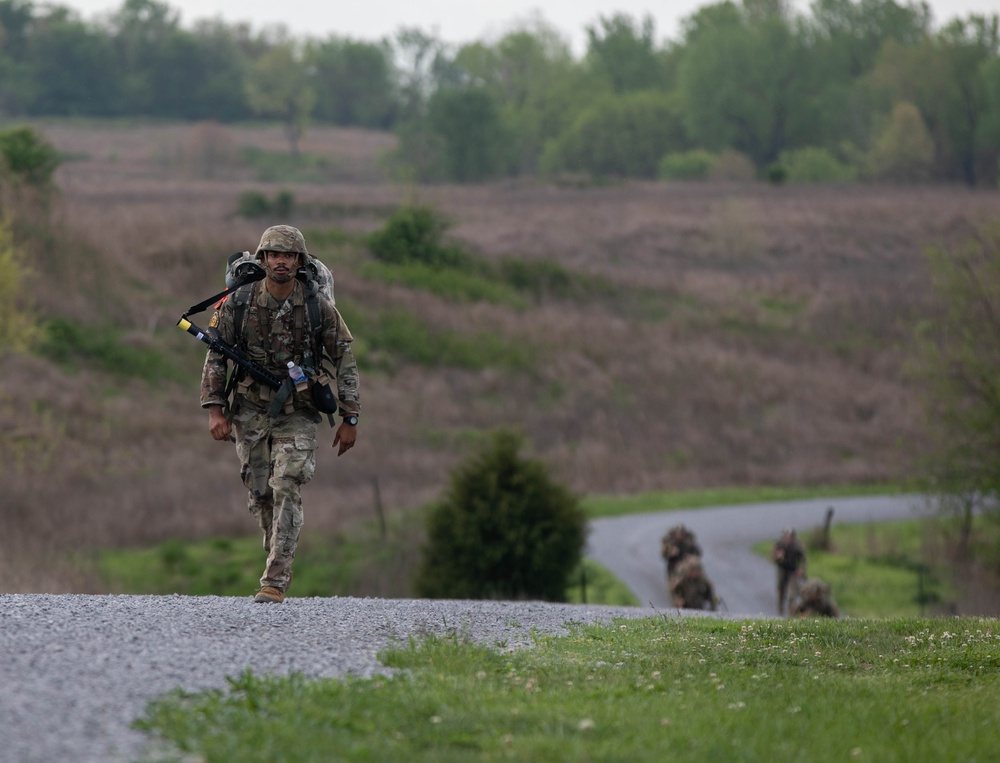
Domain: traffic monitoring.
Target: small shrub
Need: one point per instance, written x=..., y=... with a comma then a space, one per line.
x=27, y=157
x=284, y=203
x=253, y=204
x=19, y=329
x=686, y=165
x=815, y=165
x=416, y=234
x=503, y=530
x=69, y=343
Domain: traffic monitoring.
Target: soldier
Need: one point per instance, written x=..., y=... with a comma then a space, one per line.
x=678, y=543
x=790, y=558
x=690, y=588
x=816, y=601
x=276, y=444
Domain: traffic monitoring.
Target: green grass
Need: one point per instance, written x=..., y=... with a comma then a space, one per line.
x=616, y=505
x=678, y=689
x=216, y=566
x=71, y=345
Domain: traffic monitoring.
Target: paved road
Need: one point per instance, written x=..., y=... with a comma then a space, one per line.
x=629, y=546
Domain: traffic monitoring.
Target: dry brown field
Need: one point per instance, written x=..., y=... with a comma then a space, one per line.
x=761, y=336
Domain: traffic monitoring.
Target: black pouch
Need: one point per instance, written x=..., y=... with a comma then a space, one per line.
x=323, y=397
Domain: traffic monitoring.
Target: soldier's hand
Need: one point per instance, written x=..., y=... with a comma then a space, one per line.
x=346, y=434
x=219, y=426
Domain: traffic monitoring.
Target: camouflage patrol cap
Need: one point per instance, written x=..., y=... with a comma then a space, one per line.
x=282, y=238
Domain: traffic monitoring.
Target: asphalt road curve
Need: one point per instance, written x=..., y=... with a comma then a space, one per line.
x=629, y=546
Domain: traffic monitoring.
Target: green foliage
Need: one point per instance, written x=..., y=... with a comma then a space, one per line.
x=624, y=52
x=620, y=135
x=476, y=144
x=957, y=359
x=814, y=165
x=254, y=204
x=71, y=344
x=19, y=328
x=415, y=234
x=686, y=165
x=282, y=167
x=504, y=529
x=278, y=86
x=397, y=335
x=918, y=690
x=591, y=583
x=454, y=285
x=903, y=152
x=26, y=157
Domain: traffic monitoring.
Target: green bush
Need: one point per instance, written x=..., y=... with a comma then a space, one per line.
x=686, y=165
x=503, y=530
x=815, y=165
x=69, y=343
x=416, y=234
x=254, y=204
x=27, y=157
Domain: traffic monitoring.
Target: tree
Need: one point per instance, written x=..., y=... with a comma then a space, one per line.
x=624, y=52
x=537, y=86
x=903, y=152
x=749, y=82
x=476, y=143
x=278, y=86
x=355, y=83
x=957, y=359
x=621, y=135
x=503, y=530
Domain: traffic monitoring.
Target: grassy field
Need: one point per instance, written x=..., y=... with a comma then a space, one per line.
x=681, y=689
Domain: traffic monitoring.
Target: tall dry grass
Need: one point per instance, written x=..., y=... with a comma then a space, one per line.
x=775, y=354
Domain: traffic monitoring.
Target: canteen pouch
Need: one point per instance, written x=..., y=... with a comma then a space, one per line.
x=323, y=397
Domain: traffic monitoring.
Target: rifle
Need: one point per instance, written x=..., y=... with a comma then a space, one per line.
x=218, y=344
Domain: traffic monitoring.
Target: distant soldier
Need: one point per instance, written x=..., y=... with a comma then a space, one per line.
x=790, y=558
x=816, y=600
x=690, y=587
x=678, y=543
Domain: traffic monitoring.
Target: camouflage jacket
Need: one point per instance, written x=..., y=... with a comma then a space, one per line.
x=264, y=310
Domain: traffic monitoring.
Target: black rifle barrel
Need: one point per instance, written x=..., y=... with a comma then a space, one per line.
x=215, y=342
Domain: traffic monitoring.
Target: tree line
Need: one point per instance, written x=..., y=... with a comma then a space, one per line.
x=869, y=89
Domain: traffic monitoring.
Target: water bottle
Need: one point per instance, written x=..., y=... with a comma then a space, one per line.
x=298, y=377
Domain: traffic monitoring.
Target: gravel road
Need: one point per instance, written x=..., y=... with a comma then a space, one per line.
x=79, y=669
x=629, y=546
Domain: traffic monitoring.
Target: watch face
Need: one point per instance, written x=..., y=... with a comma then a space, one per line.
x=352, y=420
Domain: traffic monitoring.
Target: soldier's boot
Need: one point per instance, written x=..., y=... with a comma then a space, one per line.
x=269, y=594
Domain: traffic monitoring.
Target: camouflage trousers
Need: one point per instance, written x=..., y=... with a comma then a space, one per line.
x=277, y=456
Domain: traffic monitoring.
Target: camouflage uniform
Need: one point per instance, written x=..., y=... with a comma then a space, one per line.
x=278, y=453
x=816, y=600
x=678, y=543
x=690, y=588
x=790, y=558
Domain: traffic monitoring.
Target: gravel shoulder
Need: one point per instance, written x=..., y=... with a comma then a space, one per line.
x=79, y=669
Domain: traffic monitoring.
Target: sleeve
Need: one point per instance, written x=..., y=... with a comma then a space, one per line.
x=337, y=340
x=213, y=374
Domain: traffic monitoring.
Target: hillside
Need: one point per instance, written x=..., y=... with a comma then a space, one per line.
x=707, y=335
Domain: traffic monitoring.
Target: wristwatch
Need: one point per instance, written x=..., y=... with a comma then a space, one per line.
x=352, y=420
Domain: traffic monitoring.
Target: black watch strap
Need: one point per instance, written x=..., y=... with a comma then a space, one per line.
x=352, y=420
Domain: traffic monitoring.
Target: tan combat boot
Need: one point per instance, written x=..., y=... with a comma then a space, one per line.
x=269, y=594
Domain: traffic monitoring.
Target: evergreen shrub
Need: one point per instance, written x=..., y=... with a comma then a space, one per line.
x=503, y=530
